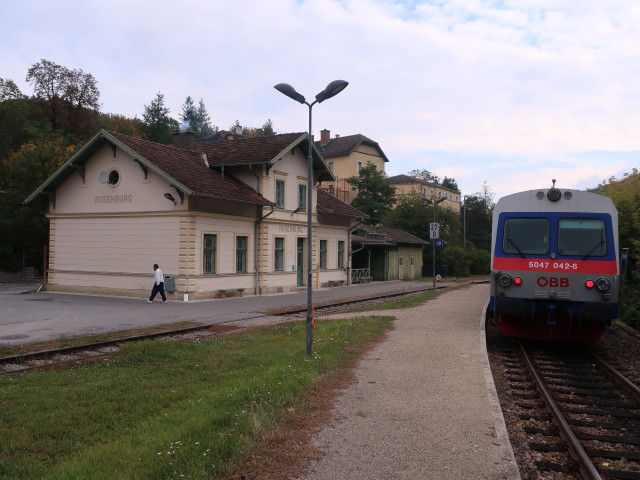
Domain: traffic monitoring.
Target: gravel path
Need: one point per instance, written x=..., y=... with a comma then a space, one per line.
x=424, y=405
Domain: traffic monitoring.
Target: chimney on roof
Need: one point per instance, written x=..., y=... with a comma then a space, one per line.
x=238, y=130
x=325, y=136
x=184, y=138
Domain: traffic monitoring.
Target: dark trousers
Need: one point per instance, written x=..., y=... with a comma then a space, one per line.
x=156, y=289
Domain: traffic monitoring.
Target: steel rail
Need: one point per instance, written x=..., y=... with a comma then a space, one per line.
x=26, y=357
x=587, y=469
x=633, y=390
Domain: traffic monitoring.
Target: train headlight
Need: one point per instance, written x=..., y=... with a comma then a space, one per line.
x=554, y=194
x=504, y=280
x=589, y=284
x=603, y=284
x=517, y=281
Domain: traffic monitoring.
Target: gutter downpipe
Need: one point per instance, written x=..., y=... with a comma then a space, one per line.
x=351, y=252
x=255, y=249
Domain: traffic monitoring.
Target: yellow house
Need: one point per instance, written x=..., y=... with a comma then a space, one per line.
x=345, y=157
x=221, y=218
x=407, y=185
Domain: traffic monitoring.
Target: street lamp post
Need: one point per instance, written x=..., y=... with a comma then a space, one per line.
x=464, y=222
x=332, y=90
x=434, y=202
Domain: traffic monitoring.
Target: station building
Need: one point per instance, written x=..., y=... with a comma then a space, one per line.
x=221, y=218
x=407, y=185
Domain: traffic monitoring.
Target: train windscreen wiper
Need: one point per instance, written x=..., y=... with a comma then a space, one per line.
x=515, y=246
x=588, y=254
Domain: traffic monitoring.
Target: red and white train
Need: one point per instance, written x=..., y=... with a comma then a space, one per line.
x=555, y=265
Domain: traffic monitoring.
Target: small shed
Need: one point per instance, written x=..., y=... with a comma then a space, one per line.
x=381, y=253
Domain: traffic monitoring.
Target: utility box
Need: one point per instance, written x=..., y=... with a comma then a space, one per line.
x=169, y=283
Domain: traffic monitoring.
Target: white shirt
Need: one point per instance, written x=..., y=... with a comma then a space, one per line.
x=159, y=278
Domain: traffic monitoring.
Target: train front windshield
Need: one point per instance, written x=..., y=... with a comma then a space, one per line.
x=526, y=236
x=582, y=236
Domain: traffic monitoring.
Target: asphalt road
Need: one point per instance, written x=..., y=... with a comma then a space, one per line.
x=44, y=316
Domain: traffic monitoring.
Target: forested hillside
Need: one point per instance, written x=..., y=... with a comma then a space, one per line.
x=625, y=194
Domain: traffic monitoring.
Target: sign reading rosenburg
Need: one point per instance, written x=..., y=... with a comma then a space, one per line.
x=114, y=198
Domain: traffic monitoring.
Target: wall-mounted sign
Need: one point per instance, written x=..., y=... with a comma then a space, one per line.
x=292, y=228
x=114, y=198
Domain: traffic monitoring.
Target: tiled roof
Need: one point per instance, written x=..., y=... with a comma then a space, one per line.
x=340, y=146
x=248, y=150
x=188, y=168
x=408, y=180
x=331, y=204
x=395, y=235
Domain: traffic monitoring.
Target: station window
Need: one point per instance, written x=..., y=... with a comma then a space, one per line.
x=526, y=236
x=582, y=236
x=241, y=254
x=340, y=253
x=323, y=254
x=278, y=255
x=302, y=197
x=279, y=193
x=210, y=245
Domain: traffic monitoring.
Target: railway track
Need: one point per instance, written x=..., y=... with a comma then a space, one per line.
x=77, y=353
x=578, y=416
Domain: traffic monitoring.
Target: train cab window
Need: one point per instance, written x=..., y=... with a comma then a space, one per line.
x=584, y=237
x=526, y=236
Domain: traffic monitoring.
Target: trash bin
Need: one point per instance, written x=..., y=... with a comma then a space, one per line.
x=169, y=283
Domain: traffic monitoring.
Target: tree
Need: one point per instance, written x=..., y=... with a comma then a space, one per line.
x=425, y=175
x=265, y=131
x=450, y=183
x=477, y=216
x=157, y=123
x=204, y=128
x=188, y=117
x=9, y=90
x=25, y=227
x=375, y=195
x=119, y=123
x=625, y=194
x=65, y=92
x=14, y=109
x=197, y=119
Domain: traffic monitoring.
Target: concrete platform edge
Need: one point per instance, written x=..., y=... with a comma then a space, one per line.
x=498, y=418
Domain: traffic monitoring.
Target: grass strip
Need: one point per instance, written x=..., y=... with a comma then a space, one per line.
x=164, y=409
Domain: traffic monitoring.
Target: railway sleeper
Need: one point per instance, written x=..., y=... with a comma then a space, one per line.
x=613, y=454
x=608, y=438
x=620, y=474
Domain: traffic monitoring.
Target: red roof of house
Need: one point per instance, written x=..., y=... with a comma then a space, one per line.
x=188, y=168
x=339, y=146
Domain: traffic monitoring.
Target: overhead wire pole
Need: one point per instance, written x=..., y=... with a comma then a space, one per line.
x=331, y=90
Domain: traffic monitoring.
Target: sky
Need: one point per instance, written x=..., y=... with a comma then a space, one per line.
x=504, y=95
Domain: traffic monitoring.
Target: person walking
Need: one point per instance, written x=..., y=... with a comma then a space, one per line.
x=158, y=285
